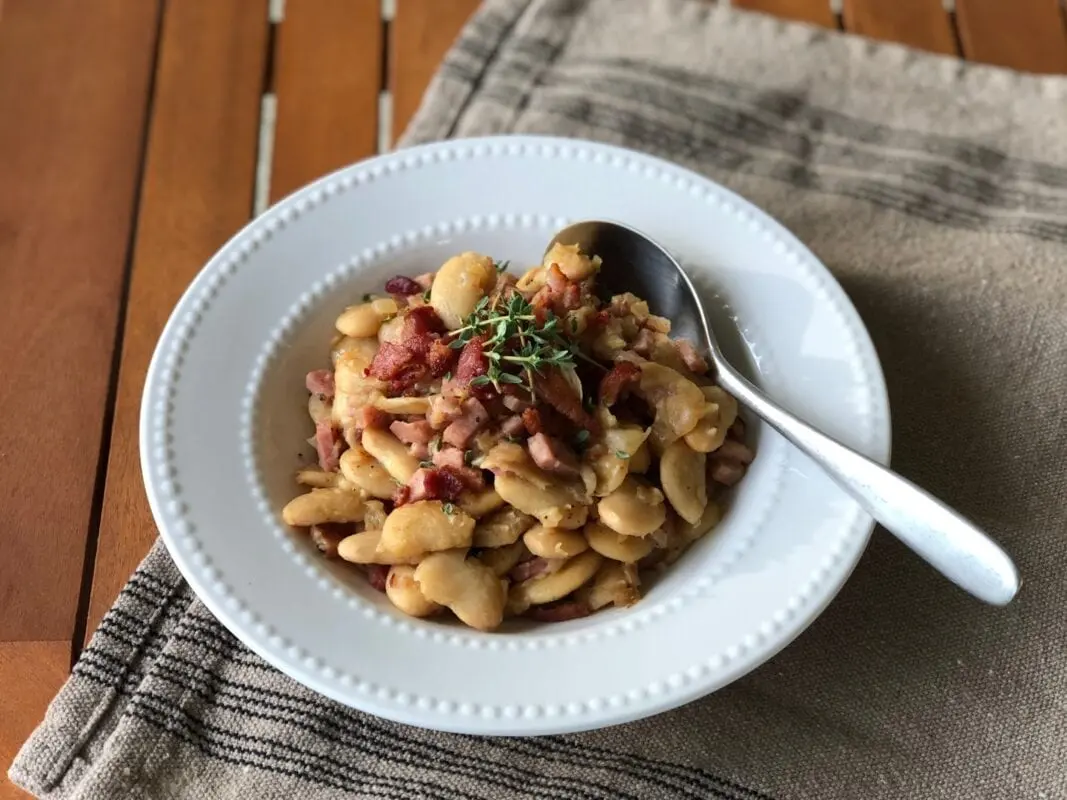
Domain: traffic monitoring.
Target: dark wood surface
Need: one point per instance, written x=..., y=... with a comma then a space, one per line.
x=133, y=142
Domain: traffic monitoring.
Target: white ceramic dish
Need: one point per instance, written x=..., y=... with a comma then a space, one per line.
x=224, y=415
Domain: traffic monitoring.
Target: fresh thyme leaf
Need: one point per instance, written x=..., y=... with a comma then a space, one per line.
x=426, y=464
x=574, y=325
x=456, y=344
x=449, y=509
x=501, y=266
x=448, y=376
x=481, y=380
x=621, y=454
x=581, y=437
x=507, y=377
x=426, y=296
x=468, y=457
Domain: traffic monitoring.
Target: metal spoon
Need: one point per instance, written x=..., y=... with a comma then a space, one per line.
x=949, y=542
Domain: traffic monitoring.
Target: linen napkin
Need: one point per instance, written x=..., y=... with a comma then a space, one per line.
x=937, y=193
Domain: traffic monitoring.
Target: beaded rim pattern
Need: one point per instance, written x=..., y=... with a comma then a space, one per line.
x=171, y=510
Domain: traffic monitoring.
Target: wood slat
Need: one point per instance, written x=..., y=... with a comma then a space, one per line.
x=327, y=77
x=197, y=191
x=31, y=674
x=1026, y=35
x=73, y=99
x=816, y=12
x=918, y=23
x=419, y=37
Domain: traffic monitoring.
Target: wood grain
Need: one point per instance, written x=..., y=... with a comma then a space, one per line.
x=327, y=77
x=419, y=37
x=197, y=192
x=817, y=12
x=30, y=674
x=918, y=23
x=1026, y=35
x=73, y=99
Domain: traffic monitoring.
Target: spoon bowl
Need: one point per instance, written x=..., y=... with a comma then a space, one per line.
x=944, y=538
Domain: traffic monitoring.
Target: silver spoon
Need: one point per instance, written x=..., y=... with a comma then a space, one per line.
x=949, y=542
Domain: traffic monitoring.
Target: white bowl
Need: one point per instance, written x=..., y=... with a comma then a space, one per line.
x=224, y=419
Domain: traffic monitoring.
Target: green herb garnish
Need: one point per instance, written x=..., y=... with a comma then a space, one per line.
x=449, y=509
x=622, y=454
x=501, y=266
x=368, y=297
x=517, y=345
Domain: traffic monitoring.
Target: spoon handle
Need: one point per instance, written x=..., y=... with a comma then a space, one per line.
x=945, y=539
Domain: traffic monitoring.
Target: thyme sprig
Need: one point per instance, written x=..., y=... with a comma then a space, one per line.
x=518, y=346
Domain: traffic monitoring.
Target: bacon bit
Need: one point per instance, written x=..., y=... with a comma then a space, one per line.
x=559, y=612
x=443, y=409
x=459, y=432
x=735, y=451
x=449, y=457
x=727, y=472
x=622, y=376
x=419, y=450
x=644, y=342
x=472, y=362
x=559, y=294
x=513, y=426
x=329, y=445
x=552, y=455
x=401, y=496
x=371, y=417
x=513, y=401
x=328, y=535
x=425, y=280
x=320, y=382
x=421, y=329
x=377, y=575
x=535, y=567
x=558, y=393
x=693, y=360
x=531, y=418
x=439, y=358
x=435, y=484
x=390, y=361
x=418, y=432
x=402, y=284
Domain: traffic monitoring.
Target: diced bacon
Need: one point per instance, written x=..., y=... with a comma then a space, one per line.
x=328, y=535
x=727, y=472
x=402, y=284
x=459, y=432
x=534, y=568
x=558, y=293
x=554, y=388
x=559, y=612
x=418, y=432
x=513, y=426
x=645, y=342
x=552, y=455
x=621, y=377
x=531, y=419
x=693, y=360
x=377, y=575
x=390, y=362
x=425, y=280
x=371, y=417
x=402, y=495
x=513, y=402
x=472, y=361
x=419, y=450
x=735, y=451
x=439, y=358
x=435, y=484
x=421, y=329
x=320, y=382
x=443, y=409
x=449, y=457
x=328, y=444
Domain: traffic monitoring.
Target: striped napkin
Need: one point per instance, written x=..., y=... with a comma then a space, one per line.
x=937, y=193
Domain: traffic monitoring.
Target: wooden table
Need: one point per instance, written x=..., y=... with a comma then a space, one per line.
x=134, y=140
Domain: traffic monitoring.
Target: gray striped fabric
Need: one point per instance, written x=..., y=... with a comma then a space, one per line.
x=937, y=192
